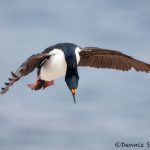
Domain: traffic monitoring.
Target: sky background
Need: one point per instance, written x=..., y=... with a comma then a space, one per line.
x=112, y=106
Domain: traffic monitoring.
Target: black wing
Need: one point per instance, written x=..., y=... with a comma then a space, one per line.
x=28, y=66
x=105, y=58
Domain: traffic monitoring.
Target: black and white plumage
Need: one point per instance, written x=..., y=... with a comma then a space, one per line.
x=63, y=59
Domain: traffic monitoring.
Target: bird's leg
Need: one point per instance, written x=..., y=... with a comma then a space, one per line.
x=40, y=83
x=35, y=85
x=47, y=83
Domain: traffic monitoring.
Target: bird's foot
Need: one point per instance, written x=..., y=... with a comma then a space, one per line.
x=39, y=84
x=34, y=86
x=48, y=83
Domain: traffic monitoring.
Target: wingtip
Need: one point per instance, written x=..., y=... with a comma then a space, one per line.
x=3, y=91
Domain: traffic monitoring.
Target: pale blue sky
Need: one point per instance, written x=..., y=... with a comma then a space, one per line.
x=111, y=105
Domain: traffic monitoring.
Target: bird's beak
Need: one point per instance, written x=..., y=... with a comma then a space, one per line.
x=73, y=91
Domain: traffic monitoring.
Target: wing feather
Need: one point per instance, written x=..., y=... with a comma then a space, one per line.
x=105, y=58
x=27, y=67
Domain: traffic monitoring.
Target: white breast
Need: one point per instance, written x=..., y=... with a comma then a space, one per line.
x=56, y=66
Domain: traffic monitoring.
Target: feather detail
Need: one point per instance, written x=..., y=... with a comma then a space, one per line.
x=105, y=58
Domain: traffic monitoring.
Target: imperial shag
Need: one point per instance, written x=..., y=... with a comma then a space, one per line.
x=63, y=59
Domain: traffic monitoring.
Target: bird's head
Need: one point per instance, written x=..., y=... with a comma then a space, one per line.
x=72, y=83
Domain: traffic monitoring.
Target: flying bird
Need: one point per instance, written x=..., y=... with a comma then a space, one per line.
x=63, y=59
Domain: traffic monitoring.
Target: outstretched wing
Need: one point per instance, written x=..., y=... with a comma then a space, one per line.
x=104, y=58
x=28, y=66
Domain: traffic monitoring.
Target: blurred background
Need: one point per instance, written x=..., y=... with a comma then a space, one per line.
x=112, y=106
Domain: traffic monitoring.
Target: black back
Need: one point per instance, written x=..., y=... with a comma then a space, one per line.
x=65, y=47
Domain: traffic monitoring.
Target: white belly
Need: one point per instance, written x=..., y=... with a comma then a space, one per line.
x=53, y=68
x=56, y=66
